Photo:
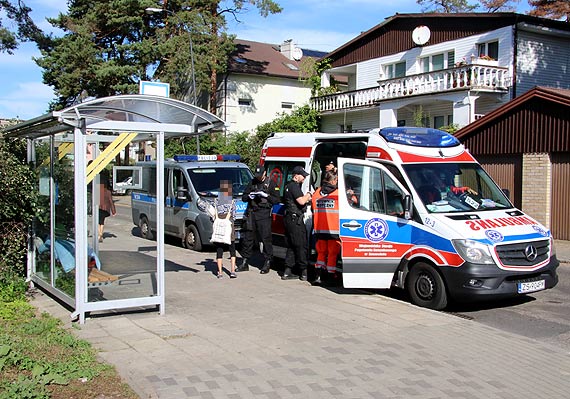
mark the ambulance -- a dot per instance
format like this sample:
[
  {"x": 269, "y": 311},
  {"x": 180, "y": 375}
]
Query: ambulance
[{"x": 428, "y": 218}]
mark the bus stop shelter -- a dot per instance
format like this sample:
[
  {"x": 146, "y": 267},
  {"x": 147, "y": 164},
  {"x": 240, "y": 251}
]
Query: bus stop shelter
[{"x": 69, "y": 149}]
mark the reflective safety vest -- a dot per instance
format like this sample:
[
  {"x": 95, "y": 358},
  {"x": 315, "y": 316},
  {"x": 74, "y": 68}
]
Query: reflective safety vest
[{"x": 325, "y": 213}]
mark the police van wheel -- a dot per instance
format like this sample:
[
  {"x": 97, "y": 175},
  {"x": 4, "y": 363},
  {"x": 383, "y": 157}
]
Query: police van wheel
[
  {"x": 426, "y": 287},
  {"x": 192, "y": 238},
  {"x": 144, "y": 226}
]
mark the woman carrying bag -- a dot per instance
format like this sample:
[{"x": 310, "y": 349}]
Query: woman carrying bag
[{"x": 223, "y": 239}]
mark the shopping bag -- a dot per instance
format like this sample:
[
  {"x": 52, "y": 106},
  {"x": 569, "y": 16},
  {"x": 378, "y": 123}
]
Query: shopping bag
[
  {"x": 222, "y": 228},
  {"x": 222, "y": 233}
]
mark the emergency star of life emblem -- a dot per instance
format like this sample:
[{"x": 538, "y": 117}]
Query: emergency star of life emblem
[{"x": 376, "y": 230}]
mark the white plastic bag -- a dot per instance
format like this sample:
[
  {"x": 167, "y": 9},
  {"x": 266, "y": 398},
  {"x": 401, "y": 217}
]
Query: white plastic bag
[{"x": 222, "y": 233}]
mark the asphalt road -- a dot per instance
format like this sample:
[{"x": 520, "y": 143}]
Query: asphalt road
[{"x": 543, "y": 315}]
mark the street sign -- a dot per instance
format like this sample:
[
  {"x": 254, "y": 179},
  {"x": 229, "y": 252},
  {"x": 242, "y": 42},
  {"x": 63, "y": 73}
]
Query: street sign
[{"x": 154, "y": 88}]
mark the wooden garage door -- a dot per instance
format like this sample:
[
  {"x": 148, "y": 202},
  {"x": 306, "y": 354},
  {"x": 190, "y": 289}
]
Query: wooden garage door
[
  {"x": 560, "y": 209},
  {"x": 506, "y": 170}
]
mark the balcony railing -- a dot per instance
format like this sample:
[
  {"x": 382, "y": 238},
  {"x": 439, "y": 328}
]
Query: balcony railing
[{"x": 470, "y": 77}]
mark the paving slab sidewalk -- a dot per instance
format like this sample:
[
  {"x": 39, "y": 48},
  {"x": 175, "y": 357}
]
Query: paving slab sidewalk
[{"x": 259, "y": 337}]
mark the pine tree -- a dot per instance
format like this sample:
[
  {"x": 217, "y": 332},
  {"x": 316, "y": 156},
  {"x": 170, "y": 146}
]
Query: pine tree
[
  {"x": 446, "y": 6},
  {"x": 105, "y": 50},
  {"x": 499, "y": 5},
  {"x": 25, "y": 28},
  {"x": 554, "y": 9}
]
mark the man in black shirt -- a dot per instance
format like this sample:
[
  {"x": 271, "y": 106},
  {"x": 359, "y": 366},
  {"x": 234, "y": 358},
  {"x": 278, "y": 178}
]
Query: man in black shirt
[
  {"x": 260, "y": 195},
  {"x": 295, "y": 231}
]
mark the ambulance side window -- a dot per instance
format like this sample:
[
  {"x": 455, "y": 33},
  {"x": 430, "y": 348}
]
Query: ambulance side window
[{"x": 375, "y": 190}]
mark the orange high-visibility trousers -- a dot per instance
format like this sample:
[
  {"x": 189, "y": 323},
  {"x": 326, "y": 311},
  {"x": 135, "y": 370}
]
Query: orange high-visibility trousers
[{"x": 327, "y": 254}]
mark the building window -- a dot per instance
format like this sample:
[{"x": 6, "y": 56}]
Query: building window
[
  {"x": 437, "y": 62},
  {"x": 401, "y": 122},
  {"x": 245, "y": 102},
  {"x": 396, "y": 70},
  {"x": 489, "y": 49},
  {"x": 438, "y": 121},
  {"x": 285, "y": 105},
  {"x": 345, "y": 129}
]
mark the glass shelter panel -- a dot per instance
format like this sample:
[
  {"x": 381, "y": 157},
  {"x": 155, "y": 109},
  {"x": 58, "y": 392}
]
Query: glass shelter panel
[
  {"x": 64, "y": 210},
  {"x": 42, "y": 222},
  {"x": 124, "y": 264}
]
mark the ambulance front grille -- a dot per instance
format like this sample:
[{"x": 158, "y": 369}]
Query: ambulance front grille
[{"x": 516, "y": 254}]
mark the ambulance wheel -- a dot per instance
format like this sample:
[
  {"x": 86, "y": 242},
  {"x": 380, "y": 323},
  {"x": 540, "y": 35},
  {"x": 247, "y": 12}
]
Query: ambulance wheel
[
  {"x": 192, "y": 238},
  {"x": 144, "y": 226},
  {"x": 426, "y": 287}
]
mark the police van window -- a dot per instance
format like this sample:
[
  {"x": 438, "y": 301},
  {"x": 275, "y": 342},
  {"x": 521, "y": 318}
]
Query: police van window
[
  {"x": 206, "y": 181},
  {"x": 179, "y": 180}
]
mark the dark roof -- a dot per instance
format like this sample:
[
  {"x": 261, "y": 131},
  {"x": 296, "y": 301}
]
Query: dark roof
[
  {"x": 536, "y": 121},
  {"x": 393, "y": 34},
  {"x": 257, "y": 58}
]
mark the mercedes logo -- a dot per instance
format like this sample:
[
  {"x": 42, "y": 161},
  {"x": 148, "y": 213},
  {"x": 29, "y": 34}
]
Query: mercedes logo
[{"x": 530, "y": 253}]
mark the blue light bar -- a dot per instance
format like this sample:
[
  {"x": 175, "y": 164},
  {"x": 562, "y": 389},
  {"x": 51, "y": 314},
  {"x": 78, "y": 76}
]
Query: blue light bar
[
  {"x": 419, "y": 137},
  {"x": 216, "y": 157}
]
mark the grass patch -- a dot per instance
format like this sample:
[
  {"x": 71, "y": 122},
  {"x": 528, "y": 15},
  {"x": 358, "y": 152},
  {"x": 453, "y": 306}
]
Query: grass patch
[{"x": 41, "y": 359}]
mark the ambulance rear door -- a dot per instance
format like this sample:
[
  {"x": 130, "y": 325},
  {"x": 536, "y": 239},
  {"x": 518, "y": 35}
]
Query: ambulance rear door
[{"x": 374, "y": 233}]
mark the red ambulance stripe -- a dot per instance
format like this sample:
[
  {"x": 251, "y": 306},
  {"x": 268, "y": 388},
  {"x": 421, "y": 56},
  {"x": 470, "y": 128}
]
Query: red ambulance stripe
[
  {"x": 377, "y": 152},
  {"x": 289, "y": 152},
  {"x": 407, "y": 157},
  {"x": 440, "y": 258}
]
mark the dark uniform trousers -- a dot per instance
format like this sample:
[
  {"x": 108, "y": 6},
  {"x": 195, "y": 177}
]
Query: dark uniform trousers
[
  {"x": 296, "y": 239},
  {"x": 260, "y": 226}
]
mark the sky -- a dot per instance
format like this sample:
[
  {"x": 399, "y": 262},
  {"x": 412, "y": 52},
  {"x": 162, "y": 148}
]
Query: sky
[{"x": 312, "y": 24}]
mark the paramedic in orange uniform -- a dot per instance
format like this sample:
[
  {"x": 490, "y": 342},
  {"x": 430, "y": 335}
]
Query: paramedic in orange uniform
[{"x": 326, "y": 227}]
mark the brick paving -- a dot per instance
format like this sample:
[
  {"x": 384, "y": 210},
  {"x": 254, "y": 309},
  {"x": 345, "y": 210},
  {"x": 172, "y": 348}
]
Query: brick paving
[{"x": 260, "y": 337}]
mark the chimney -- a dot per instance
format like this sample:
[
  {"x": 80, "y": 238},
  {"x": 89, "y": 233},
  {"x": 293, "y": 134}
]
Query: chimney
[{"x": 286, "y": 48}]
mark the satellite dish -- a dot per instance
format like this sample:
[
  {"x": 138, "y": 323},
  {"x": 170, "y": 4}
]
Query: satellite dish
[
  {"x": 421, "y": 35},
  {"x": 297, "y": 53}
]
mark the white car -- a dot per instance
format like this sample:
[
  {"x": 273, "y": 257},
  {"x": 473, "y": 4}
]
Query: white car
[{"x": 120, "y": 189}]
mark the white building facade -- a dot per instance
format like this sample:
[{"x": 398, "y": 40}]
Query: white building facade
[{"x": 439, "y": 70}]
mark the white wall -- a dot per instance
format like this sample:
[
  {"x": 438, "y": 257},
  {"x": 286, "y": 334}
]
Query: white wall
[
  {"x": 542, "y": 60},
  {"x": 369, "y": 72},
  {"x": 267, "y": 95}
]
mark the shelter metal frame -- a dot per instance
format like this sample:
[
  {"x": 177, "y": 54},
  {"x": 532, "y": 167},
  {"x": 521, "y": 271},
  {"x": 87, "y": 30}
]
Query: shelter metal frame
[{"x": 100, "y": 120}]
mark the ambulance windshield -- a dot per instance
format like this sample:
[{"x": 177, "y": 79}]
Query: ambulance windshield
[{"x": 456, "y": 187}]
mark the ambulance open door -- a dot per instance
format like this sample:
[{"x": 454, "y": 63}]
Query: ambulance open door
[{"x": 373, "y": 229}]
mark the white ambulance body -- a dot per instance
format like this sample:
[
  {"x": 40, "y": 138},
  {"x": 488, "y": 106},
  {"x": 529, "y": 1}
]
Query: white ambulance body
[{"x": 407, "y": 230}]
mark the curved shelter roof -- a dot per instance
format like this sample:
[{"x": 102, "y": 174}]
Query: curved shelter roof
[{"x": 141, "y": 113}]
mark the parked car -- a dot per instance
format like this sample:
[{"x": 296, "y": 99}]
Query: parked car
[{"x": 119, "y": 187}]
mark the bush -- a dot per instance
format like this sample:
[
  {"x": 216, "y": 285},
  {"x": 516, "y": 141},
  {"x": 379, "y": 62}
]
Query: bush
[{"x": 19, "y": 203}]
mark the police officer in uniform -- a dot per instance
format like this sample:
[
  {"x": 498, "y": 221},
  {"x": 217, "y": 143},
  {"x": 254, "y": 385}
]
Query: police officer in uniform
[
  {"x": 295, "y": 231},
  {"x": 260, "y": 195}
]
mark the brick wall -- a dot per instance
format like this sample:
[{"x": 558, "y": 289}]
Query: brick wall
[{"x": 536, "y": 181}]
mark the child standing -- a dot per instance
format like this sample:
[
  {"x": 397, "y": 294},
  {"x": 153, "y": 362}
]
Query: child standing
[{"x": 225, "y": 204}]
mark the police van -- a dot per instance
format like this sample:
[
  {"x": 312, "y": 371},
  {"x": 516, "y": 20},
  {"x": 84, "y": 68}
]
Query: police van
[
  {"x": 189, "y": 179},
  {"x": 428, "y": 218}
]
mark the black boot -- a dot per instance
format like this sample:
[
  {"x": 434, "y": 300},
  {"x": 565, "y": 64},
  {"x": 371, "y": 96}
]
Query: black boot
[
  {"x": 244, "y": 267},
  {"x": 288, "y": 275},
  {"x": 317, "y": 280},
  {"x": 303, "y": 276},
  {"x": 266, "y": 267}
]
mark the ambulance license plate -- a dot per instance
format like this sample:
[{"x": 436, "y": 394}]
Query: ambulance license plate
[{"x": 531, "y": 286}]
